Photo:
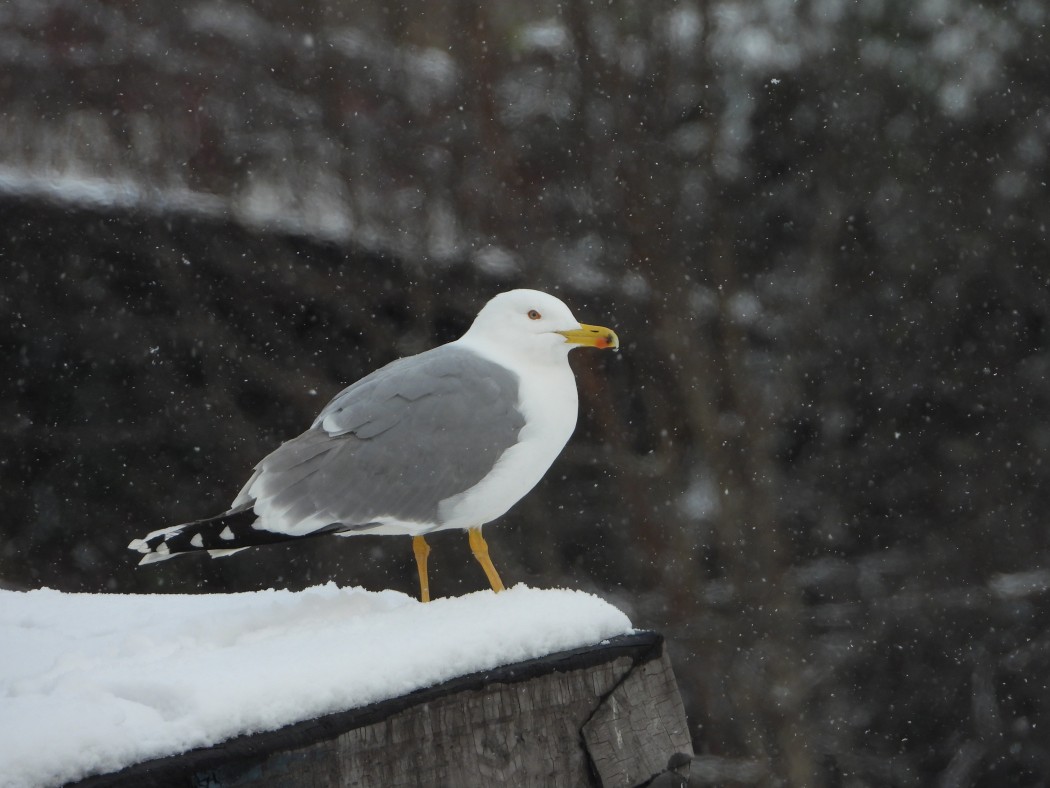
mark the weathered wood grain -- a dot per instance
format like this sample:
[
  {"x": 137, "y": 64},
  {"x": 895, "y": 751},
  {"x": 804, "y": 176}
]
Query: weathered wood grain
[{"x": 638, "y": 730}]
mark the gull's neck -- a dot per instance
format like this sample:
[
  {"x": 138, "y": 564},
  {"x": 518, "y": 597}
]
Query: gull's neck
[{"x": 514, "y": 356}]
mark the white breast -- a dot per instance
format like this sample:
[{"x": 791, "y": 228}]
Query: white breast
[{"x": 548, "y": 401}]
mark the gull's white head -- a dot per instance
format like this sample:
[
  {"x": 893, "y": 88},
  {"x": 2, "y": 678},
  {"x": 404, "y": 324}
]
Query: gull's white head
[{"x": 535, "y": 324}]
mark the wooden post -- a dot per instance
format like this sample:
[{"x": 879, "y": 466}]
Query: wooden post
[{"x": 607, "y": 715}]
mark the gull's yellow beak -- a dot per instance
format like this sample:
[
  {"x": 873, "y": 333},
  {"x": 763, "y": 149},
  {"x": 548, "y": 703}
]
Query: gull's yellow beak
[{"x": 592, "y": 336}]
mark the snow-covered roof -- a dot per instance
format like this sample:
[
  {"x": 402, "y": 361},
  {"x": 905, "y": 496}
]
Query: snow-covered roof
[{"x": 92, "y": 683}]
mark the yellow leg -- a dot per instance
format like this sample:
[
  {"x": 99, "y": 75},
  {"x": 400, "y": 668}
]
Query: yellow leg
[
  {"x": 481, "y": 552},
  {"x": 422, "y": 550}
]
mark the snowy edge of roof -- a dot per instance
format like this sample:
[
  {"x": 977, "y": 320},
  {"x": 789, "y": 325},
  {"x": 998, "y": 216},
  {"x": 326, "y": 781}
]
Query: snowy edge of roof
[{"x": 173, "y": 770}]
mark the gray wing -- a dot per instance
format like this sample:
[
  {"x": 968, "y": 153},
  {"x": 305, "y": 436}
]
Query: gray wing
[{"x": 393, "y": 445}]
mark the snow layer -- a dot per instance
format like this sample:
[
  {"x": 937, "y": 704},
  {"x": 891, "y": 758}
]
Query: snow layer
[{"x": 90, "y": 683}]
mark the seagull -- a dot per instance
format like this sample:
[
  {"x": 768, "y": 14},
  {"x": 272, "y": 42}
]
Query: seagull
[{"x": 450, "y": 438}]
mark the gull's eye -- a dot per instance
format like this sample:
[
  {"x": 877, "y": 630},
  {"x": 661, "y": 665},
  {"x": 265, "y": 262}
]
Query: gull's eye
[{"x": 534, "y": 315}]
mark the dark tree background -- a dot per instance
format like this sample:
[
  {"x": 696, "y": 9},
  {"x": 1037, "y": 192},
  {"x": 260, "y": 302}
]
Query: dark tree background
[{"x": 820, "y": 462}]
